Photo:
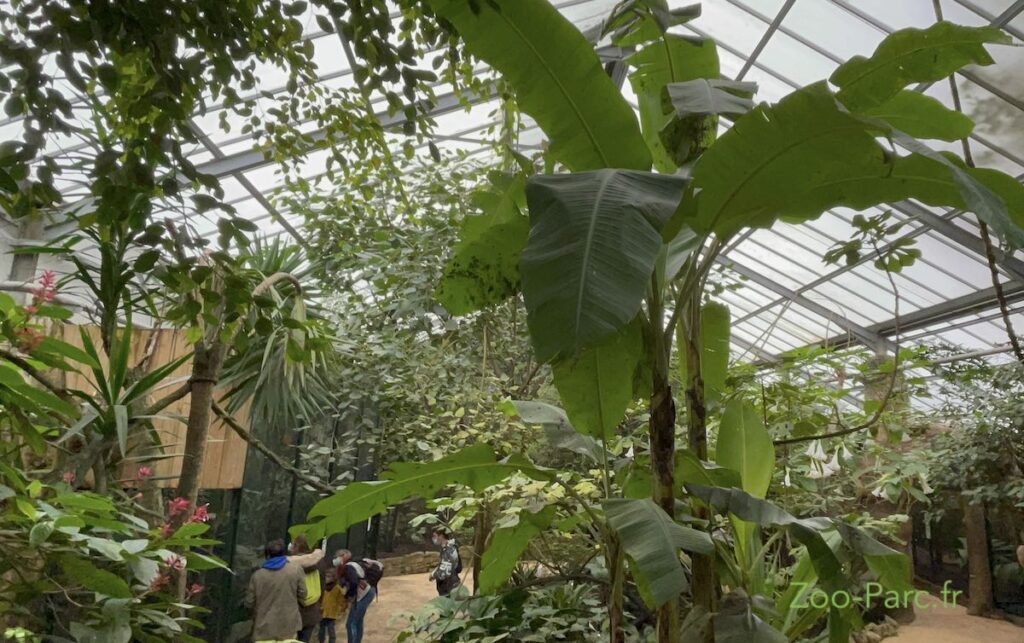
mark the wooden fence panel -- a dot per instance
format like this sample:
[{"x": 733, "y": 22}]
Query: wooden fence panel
[{"x": 224, "y": 461}]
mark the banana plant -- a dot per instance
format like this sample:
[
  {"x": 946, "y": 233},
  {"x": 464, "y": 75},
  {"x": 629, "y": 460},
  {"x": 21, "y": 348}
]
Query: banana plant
[{"x": 594, "y": 271}]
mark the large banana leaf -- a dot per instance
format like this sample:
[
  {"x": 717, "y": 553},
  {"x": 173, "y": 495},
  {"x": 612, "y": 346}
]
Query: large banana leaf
[
  {"x": 594, "y": 239},
  {"x": 557, "y": 78},
  {"x": 475, "y": 466},
  {"x": 912, "y": 56},
  {"x": 596, "y": 385},
  {"x": 922, "y": 116},
  {"x": 652, "y": 540},
  {"x": 669, "y": 59},
  {"x": 483, "y": 269},
  {"x": 782, "y": 161},
  {"x": 507, "y": 544},
  {"x": 745, "y": 446}
]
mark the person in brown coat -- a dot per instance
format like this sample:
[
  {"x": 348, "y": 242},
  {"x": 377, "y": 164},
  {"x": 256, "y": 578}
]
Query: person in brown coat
[{"x": 275, "y": 591}]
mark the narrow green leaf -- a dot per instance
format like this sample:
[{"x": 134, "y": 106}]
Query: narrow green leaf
[{"x": 121, "y": 426}]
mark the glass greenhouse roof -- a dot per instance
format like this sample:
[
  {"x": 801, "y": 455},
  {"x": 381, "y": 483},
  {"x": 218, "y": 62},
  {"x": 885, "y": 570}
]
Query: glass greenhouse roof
[{"x": 784, "y": 295}]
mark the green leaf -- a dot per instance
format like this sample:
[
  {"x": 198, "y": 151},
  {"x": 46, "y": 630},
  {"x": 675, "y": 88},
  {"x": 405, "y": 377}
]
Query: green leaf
[
  {"x": 652, "y": 541},
  {"x": 558, "y": 430},
  {"x": 912, "y": 56},
  {"x": 81, "y": 571},
  {"x": 39, "y": 533},
  {"x": 923, "y": 116},
  {"x": 200, "y": 562},
  {"x": 781, "y": 159},
  {"x": 121, "y": 425},
  {"x": 714, "y": 349},
  {"x": 672, "y": 59},
  {"x": 596, "y": 386},
  {"x": 594, "y": 240},
  {"x": 507, "y": 544},
  {"x": 745, "y": 446},
  {"x": 484, "y": 267},
  {"x": 64, "y": 349},
  {"x": 557, "y": 78},
  {"x": 475, "y": 466}
]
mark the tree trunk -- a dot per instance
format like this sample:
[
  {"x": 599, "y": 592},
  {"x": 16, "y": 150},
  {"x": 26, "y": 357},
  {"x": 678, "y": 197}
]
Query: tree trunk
[
  {"x": 205, "y": 368},
  {"x": 616, "y": 563},
  {"x": 663, "y": 446},
  {"x": 703, "y": 566},
  {"x": 979, "y": 588}
]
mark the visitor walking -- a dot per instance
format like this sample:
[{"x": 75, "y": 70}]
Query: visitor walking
[
  {"x": 314, "y": 569},
  {"x": 359, "y": 590},
  {"x": 274, "y": 593},
  {"x": 333, "y": 606},
  {"x": 446, "y": 574}
]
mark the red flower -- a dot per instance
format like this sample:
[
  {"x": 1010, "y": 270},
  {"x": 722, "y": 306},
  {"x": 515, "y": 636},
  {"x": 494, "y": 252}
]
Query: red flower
[
  {"x": 68, "y": 477},
  {"x": 178, "y": 506},
  {"x": 144, "y": 472},
  {"x": 48, "y": 280},
  {"x": 194, "y": 588},
  {"x": 175, "y": 562},
  {"x": 200, "y": 514}
]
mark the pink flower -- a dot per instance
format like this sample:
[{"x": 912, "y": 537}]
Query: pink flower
[
  {"x": 200, "y": 514},
  {"x": 68, "y": 477},
  {"x": 166, "y": 530},
  {"x": 178, "y": 506},
  {"x": 194, "y": 588},
  {"x": 144, "y": 472},
  {"x": 158, "y": 582},
  {"x": 175, "y": 562},
  {"x": 48, "y": 280},
  {"x": 31, "y": 309}
]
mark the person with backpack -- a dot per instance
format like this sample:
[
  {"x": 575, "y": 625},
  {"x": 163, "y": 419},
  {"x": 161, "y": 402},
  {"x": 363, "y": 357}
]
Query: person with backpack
[
  {"x": 446, "y": 574},
  {"x": 314, "y": 569},
  {"x": 359, "y": 580}
]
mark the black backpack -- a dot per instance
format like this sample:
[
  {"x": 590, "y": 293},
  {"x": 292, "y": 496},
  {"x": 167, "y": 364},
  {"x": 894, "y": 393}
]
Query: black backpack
[{"x": 373, "y": 571}]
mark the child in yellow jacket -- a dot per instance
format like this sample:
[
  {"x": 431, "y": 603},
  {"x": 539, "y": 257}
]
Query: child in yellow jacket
[{"x": 334, "y": 605}]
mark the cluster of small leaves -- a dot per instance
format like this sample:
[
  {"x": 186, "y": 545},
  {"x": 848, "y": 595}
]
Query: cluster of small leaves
[
  {"x": 560, "y": 613},
  {"x": 981, "y": 456},
  {"x": 871, "y": 235},
  {"x": 85, "y": 567}
]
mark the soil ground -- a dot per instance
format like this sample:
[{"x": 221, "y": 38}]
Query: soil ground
[{"x": 938, "y": 624}]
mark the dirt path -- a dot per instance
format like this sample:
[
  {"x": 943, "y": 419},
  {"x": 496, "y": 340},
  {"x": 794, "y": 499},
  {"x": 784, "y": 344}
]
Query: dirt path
[
  {"x": 951, "y": 624},
  {"x": 937, "y": 624}
]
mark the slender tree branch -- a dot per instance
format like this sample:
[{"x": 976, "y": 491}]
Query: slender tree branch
[
  {"x": 990, "y": 254},
  {"x": 169, "y": 399},
  {"x": 268, "y": 453},
  {"x": 877, "y": 415},
  {"x": 35, "y": 374}
]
